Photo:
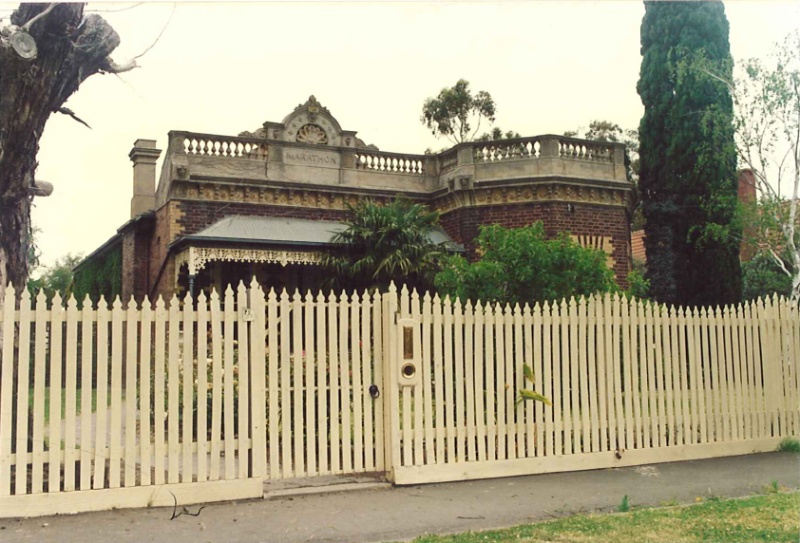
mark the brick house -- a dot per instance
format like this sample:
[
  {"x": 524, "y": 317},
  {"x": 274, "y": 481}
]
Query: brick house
[{"x": 266, "y": 203}]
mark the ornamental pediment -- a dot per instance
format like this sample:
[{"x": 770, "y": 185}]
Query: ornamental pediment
[{"x": 309, "y": 123}]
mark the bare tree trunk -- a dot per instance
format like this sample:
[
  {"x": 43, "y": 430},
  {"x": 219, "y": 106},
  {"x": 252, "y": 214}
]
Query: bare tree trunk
[{"x": 70, "y": 48}]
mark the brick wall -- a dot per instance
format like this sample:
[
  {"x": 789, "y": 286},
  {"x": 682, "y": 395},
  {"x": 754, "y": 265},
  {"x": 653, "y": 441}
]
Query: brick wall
[
  {"x": 197, "y": 215},
  {"x": 161, "y": 272},
  {"x": 584, "y": 219},
  {"x": 128, "y": 269}
]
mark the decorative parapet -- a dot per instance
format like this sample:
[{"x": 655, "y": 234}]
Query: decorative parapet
[
  {"x": 251, "y": 161},
  {"x": 209, "y": 145},
  {"x": 381, "y": 161},
  {"x": 543, "y": 146}
]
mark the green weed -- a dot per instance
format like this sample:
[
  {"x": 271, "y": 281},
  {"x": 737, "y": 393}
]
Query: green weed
[{"x": 789, "y": 444}]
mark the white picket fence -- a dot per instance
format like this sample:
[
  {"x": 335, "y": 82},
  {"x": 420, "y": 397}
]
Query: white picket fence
[
  {"x": 630, "y": 383},
  {"x": 202, "y": 400}
]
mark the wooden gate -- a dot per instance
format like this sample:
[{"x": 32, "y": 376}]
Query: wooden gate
[{"x": 630, "y": 383}]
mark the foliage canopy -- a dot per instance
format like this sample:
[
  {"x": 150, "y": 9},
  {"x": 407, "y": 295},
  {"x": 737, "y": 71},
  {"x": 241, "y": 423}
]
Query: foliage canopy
[
  {"x": 385, "y": 243},
  {"x": 687, "y": 156},
  {"x": 520, "y": 265},
  {"x": 452, "y": 111}
]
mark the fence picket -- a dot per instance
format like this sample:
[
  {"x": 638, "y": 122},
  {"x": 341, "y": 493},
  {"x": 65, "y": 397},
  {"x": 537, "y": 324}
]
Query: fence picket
[
  {"x": 438, "y": 379},
  {"x": 508, "y": 383},
  {"x": 273, "y": 382},
  {"x": 314, "y": 391},
  {"x": 321, "y": 364},
  {"x": 367, "y": 360},
  {"x": 588, "y": 345},
  {"x": 87, "y": 370},
  {"x": 145, "y": 355},
  {"x": 565, "y": 362},
  {"x": 531, "y": 324},
  {"x": 458, "y": 384},
  {"x": 6, "y": 393},
  {"x": 356, "y": 344},
  {"x": 56, "y": 382},
  {"x": 488, "y": 364},
  {"x": 674, "y": 391},
  {"x": 378, "y": 363},
  {"x": 427, "y": 384},
  {"x": 285, "y": 365},
  {"x": 298, "y": 385},
  {"x": 202, "y": 384},
  {"x": 173, "y": 391},
  {"x": 500, "y": 380},
  {"x": 345, "y": 405},
  {"x": 214, "y": 468},
  {"x": 335, "y": 413},
  {"x": 159, "y": 348},
  {"x": 129, "y": 449},
  {"x": 37, "y": 431},
  {"x": 583, "y": 372},
  {"x": 574, "y": 376},
  {"x": 522, "y": 428},
  {"x": 449, "y": 392},
  {"x": 480, "y": 367},
  {"x": 228, "y": 396},
  {"x": 660, "y": 427},
  {"x": 159, "y": 390},
  {"x": 469, "y": 380},
  {"x": 257, "y": 386},
  {"x": 188, "y": 389},
  {"x": 243, "y": 380}
]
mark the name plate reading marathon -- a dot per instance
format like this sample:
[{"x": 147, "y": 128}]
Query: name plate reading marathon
[{"x": 310, "y": 158}]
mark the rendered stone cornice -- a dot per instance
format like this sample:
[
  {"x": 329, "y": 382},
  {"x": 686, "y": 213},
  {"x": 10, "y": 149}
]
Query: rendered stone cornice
[{"x": 323, "y": 197}]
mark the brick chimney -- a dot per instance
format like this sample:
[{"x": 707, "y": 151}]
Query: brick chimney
[{"x": 143, "y": 155}]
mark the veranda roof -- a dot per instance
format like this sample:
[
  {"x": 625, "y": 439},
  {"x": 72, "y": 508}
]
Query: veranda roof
[{"x": 268, "y": 239}]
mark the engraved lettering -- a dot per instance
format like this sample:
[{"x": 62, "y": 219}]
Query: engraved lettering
[{"x": 310, "y": 158}]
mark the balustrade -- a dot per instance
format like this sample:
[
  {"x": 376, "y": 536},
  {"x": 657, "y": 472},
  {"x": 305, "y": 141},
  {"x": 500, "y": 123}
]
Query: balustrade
[
  {"x": 390, "y": 162},
  {"x": 585, "y": 150},
  {"x": 223, "y": 146},
  {"x": 493, "y": 151}
]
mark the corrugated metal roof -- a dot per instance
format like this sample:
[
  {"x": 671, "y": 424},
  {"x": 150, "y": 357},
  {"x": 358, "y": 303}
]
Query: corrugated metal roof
[
  {"x": 286, "y": 231},
  {"x": 274, "y": 229}
]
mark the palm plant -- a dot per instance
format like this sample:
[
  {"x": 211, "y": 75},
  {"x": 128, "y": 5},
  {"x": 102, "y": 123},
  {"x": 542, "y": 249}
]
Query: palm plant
[{"x": 385, "y": 243}]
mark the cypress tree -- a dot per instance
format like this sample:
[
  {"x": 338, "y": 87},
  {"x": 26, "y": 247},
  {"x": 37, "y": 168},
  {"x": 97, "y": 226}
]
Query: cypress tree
[{"x": 687, "y": 155}]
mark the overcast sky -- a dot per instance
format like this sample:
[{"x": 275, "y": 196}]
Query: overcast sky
[{"x": 551, "y": 66}]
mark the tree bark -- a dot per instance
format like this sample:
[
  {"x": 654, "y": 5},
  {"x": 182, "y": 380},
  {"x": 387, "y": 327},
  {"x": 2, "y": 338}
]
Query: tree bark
[{"x": 71, "y": 47}]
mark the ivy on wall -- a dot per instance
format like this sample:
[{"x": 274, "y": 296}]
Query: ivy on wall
[{"x": 101, "y": 276}]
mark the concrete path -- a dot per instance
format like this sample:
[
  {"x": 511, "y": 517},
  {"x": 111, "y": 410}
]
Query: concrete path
[{"x": 377, "y": 514}]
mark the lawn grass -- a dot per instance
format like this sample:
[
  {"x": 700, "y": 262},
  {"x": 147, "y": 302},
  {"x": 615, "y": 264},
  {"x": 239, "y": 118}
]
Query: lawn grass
[
  {"x": 63, "y": 402},
  {"x": 768, "y": 518}
]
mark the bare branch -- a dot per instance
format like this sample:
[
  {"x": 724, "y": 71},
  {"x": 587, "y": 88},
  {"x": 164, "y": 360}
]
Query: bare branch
[
  {"x": 111, "y": 67},
  {"x": 27, "y": 26},
  {"x": 174, "y": 7},
  {"x": 67, "y": 111}
]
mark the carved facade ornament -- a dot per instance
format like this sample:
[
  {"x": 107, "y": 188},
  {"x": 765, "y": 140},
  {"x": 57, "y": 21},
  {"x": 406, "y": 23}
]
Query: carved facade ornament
[
  {"x": 312, "y": 133},
  {"x": 313, "y": 106},
  {"x": 601, "y": 243}
]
